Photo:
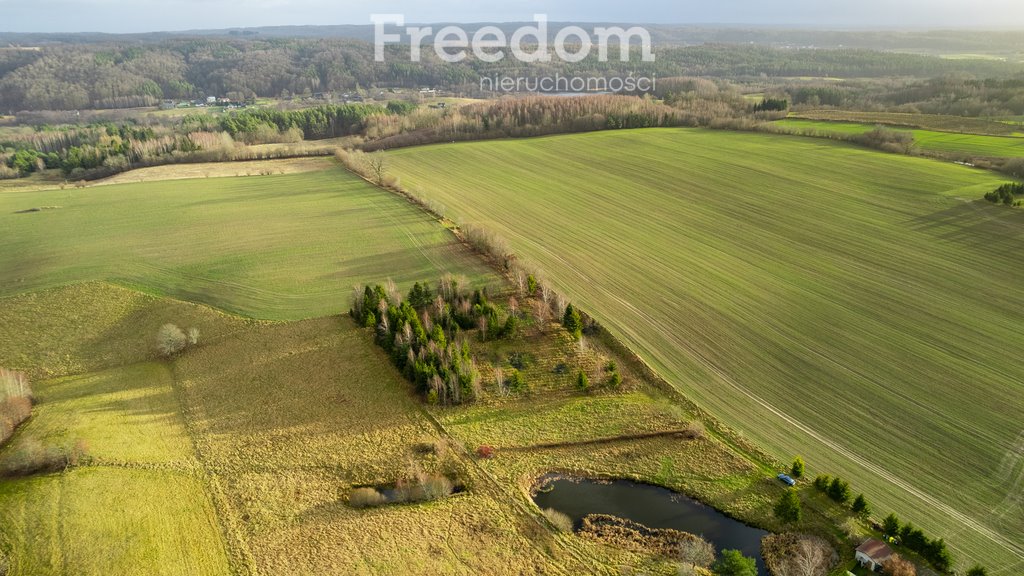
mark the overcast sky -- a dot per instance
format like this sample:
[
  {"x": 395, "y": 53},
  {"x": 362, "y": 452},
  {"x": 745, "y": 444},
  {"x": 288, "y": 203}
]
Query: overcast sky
[{"x": 161, "y": 15}]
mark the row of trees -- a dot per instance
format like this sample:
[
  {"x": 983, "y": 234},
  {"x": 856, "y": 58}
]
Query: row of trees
[{"x": 934, "y": 551}]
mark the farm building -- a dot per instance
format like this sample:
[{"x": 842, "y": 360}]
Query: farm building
[{"x": 873, "y": 553}]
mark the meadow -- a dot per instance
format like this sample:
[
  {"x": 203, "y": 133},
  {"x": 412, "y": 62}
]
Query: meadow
[
  {"x": 279, "y": 247},
  {"x": 854, "y": 307},
  {"x": 237, "y": 456},
  {"x": 935, "y": 122},
  {"x": 969, "y": 145}
]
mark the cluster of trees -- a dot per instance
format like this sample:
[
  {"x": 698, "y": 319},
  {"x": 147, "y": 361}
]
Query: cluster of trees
[
  {"x": 15, "y": 402},
  {"x": 934, "y": 551},
  {"x": 423, "y": 335},
  {"x": 1006, "y": 194},
  {"x": 772, "y": 105},
  {"x": 102, "y": 149},
  {"x": 330, "y": 121}
]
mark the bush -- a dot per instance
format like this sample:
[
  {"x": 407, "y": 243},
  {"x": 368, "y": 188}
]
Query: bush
[
  {"x": 170, "y": 340},
  {"x": 486, "y": 452},
  {"x": 559, "y": 520},
  {"x": 582, "y": 382},
  {"x": 822, "y": 481},
  {"x": 32, "y": 457},
  {"x": 977, "y": 571},
  {"x": 898, "y": 566},
  {"x": 366, "y": 498},
  {"x": 437, "y": 487}
]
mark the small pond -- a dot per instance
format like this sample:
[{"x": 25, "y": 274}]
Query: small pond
[{"x": 651, "y": 506}]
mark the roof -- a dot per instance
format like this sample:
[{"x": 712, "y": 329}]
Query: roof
[{"x": 876, "y": 550}]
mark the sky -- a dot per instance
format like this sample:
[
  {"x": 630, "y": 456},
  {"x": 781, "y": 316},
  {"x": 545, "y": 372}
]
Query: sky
[{"x": 119, "y": 16}]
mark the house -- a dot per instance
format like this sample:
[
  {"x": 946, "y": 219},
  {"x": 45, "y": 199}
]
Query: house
[{"x": 873, "y": 553}]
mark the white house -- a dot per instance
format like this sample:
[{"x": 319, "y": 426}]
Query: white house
[{"x": 873, "y": 553}]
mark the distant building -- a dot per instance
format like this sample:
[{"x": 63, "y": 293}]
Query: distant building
[
  {"x": 211, "y": 99},
  {"x": 873, "y": 553}
]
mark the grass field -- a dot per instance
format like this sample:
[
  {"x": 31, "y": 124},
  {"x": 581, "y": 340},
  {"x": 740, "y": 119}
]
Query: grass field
[
  {"x": 273, "y": 247},
  {"x": 855, "y": 307},
  {"x": 936, "y": 122},
  {"x": 931, "y": 140},
  {"x": 237, "y": 456}
]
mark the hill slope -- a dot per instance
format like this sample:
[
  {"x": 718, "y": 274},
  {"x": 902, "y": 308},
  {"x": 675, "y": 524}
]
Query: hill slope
[{"x": 855, "y": 307}]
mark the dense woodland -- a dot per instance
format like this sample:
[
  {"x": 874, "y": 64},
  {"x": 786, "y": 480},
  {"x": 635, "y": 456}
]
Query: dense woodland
[{"x": 134, "y": 73}]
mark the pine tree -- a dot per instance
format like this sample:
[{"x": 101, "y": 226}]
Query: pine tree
[
  {"x": 573, "y": 322},
  {"x": 860, "y": 506},
  {"x": 797, "y": 471},
  {"x": 788, "y": 509}
]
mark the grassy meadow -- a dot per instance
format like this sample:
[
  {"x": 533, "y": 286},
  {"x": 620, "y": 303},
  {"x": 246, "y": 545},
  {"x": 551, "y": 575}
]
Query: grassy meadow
[
  {"x": 854, "y": 307},
  {"x": 279, "y": 247},
  {"x": 970, "y": 145},
  {"x": 238, "y": 455}
]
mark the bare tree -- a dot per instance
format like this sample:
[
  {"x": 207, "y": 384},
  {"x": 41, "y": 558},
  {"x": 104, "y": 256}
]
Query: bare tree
[
  {"x": 378, "y": 168},
  {"x": 193, "y": 336},
  {"x": 696, "y": 552},
  {"x": 520, "y": 279},
  {"x": 499, "y": 378},
  {"x": 170, "y": 340},
  {"x": 392, "y": 291}
]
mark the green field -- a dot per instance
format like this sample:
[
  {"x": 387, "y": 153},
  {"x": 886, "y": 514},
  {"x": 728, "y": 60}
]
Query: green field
[
  {"x": 858, "y": 308},
  {"x": 930, "y": 140},
  {"x": 273, "y": 247}
]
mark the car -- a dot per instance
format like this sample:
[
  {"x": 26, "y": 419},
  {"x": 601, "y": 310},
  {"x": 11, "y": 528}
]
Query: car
[{"x": 786, "y": 479}]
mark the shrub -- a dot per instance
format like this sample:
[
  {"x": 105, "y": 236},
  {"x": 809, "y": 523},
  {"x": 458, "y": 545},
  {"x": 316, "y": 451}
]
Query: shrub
[
  {"x": 582, "y": 382},
  {"x": 437, "y": 487},
  {"x": 977, "y": 571},
  {"x": 822, "y": 481},
  {"x": 32, "y": 457},
  {"x": 193, "y": 336},
  {"x": 365, "y": 498},
  {"x": 170, "y": 340},
  {"x": 898, "y": 566},
  {"x": 694, "y": 430},
  {"x": 559, "y": 520},
  {"x": 486, "y": 452},
  {"x": 514, "y": 381}
]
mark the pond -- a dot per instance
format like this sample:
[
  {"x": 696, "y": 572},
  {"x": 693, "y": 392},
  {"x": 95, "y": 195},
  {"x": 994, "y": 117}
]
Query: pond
[{"x": 651, "y": 506}]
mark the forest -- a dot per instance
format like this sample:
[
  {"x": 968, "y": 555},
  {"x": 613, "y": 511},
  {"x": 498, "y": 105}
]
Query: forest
[{"x": 133, "y": 73}]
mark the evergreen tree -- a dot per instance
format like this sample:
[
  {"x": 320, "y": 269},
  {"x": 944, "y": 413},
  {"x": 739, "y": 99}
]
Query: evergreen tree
[
  {"x": 573, "y": 322},
  {"x": 860, "y": 506},
  {"x": 891, "y": 525},
  {"x": 797, "y": 470},
  {"x": 582, "y": 382},
  {"x": 788, "y": 508}
]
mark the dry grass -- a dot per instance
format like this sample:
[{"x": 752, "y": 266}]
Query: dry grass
[{"x": 218, "y": 170}]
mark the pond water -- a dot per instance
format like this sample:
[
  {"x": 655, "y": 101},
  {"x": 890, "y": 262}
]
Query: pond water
[{"x": 651, "y": 506}]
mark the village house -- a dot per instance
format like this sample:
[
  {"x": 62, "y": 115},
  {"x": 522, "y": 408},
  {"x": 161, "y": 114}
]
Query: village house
[{"x": 873, "y": 553}]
